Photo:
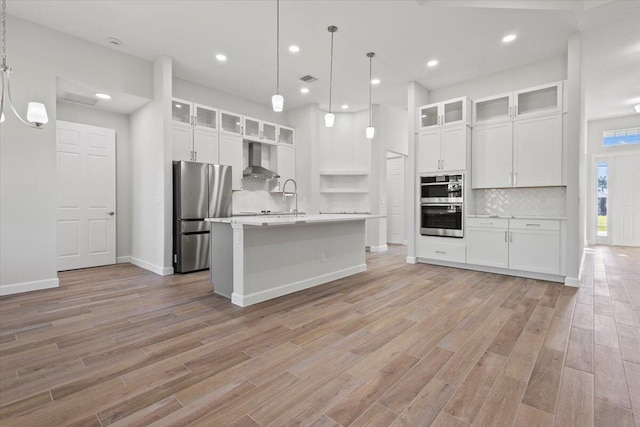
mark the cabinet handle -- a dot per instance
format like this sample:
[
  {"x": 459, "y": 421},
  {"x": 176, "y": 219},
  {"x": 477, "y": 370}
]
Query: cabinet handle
[
  {"x": 515, "y": 111},
  {"x": 515, "y": 178},
  {"x": 510, "y": 178},
  {"x": 510, "y": 110},
  {"x": 533, "y": 225},
  {"x": 195, "y": 156},
  {"x": 505, "y": 236},
  {"x": 486, "y": 223},
  {"x": 511, "y": 236},
  {"x": 441, "y": 252}
]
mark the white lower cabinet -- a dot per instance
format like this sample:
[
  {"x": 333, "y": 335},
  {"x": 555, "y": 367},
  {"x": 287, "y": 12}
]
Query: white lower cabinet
[
  {"x": 488, "y": 242},
  {"x": 535, "y": 246},
  {"x": 517, "y": 244},
  {"x": 430, "y": 248}
]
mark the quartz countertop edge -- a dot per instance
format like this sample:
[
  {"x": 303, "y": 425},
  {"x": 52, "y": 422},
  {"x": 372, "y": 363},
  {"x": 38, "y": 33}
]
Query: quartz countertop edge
[
  {"x": 290, "y": 219},
  {"x": 532, "y": 217}
]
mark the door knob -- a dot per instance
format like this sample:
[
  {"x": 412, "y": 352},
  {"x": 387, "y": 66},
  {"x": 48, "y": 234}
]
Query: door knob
[{"x": 112, "y": 213}]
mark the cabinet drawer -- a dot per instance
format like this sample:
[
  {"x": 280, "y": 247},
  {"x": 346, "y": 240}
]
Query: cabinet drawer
[
  {"x": 488, "y": 222},
  {"x": 442, "y": 251},
  {"x": 535, "y": 224}
]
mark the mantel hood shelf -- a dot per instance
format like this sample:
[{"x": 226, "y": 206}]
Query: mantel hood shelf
[{"x": 255, "y": 169}]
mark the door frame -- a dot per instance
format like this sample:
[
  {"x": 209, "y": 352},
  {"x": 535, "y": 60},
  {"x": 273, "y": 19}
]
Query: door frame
[{"x": 404, "y": 157}]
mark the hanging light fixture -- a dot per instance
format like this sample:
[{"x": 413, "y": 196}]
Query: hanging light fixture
[
  {"x": 370, "y": 131},
  {"x": 277, "y": 100},
  {"x": 36, "y": 112},
  {"x": 329, "y": 118}
]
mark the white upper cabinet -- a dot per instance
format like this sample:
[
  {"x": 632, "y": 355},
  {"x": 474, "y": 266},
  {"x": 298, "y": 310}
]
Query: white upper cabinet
[
  {"x": 535, "y": 101},
  {"x": 443, "y": 149},
  {"x": 230, "y": 154},
  {"x": 230, "y": 123},
  {"x": 493, "y": 109},
  {"x": 537, "y": 151},
  {"x": 260, "y": 131},
  {"x": 454, "y": 111},
  {"x": 286, "y": 135},
  {"x": 285, "y": 165},
  {"x": 194, "y": 132},
  {"x": 491, "y": 155},
  {"x": 181, "y": 112},
  {"x": 539, "y": 100},
  {"x": 206, "y": 117}
]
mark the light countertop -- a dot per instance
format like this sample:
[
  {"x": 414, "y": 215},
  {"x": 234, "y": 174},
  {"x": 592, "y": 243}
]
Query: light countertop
[
  {"x": 291, "y": 219},
  {"x": 517, "y": 217}
]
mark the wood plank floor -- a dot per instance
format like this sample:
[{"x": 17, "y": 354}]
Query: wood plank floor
[{"x": 398, "y": 345}]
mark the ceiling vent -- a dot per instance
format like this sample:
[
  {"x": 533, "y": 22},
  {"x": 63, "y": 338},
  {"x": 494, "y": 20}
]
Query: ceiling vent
[
  {"x": 78, "y": 99},
  {"x": 308, "y": 78}
]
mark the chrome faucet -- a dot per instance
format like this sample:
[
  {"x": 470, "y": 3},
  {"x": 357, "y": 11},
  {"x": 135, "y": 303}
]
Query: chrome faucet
[{"x": 295, "y": 194}]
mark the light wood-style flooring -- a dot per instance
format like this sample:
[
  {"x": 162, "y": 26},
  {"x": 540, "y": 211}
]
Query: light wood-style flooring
[{"x": 400, "y": 344}]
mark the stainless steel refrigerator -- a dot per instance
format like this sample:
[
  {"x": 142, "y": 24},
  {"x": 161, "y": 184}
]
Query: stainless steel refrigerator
[{"x": 200, "y": 191}]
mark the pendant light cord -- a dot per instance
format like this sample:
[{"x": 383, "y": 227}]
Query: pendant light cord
[
  {"x": 4, "y": 33},
  {"x": 370, "y": 112},
  {"x": 331, "y": 72},
  {"x": 277, "y": 46}
]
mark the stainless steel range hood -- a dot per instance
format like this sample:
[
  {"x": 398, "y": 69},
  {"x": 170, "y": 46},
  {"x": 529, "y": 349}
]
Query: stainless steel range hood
[{"x": 255, "y": 169}]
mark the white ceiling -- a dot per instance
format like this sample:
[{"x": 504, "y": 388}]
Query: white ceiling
[{"x": 464, "y": 36}]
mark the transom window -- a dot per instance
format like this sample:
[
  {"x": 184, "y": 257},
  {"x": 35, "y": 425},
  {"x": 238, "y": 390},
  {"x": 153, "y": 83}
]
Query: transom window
[{"x": 621, "y": 137}]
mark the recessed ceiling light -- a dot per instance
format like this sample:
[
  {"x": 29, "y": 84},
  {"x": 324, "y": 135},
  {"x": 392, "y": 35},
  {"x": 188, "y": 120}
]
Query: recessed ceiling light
[
  {"x": 178, "y": 105},
  {"x": 103, "y": 96},
  {"x": 375, "y": 81},
  {"x": 221, "y": 57},
  {"x": 345, "y": 107},
  {"x": 304, "y": 90},
  {"x": 508, "y": 38},
  {"x": 432, "y": 63},
  {"x": 294, "y": 49}
]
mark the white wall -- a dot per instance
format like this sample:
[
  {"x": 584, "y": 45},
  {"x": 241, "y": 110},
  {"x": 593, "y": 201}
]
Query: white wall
[
  {"x": 28, "y": 157},
  {"x": 534, "y": 74},
  {"x": 151, "y": 176},
  {"x": 194, "y": 92},
  {"x": 595, "y": 128},
  {"x": 393, "y": 130},
  {"x": 119, "y": 122}
]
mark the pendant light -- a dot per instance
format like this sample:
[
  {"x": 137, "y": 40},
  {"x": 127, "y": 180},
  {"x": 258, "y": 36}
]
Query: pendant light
[
  {"x": 370, "y": 131},
  {"x": 277, "y": 100},
  {"x": 329, "y": 118},
  {"x": 36, "y": 112}
]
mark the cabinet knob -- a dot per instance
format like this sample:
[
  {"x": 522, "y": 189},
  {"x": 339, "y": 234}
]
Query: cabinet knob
[{"x": 111, "y": 213}]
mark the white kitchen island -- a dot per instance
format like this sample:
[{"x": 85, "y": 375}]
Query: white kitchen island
[{"x": 258, "y": 258}]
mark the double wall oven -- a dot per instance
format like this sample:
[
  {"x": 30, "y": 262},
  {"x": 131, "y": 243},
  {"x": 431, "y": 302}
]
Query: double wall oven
[{"x": 441, "y": 205}]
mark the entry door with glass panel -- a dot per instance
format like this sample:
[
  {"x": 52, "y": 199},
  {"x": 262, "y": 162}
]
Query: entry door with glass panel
[{"x": 602, "y": 202}]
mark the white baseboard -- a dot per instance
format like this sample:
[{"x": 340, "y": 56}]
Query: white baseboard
[
  {"x": 123, "y": 259},
  {"x": 162, "y": 271},
  {"x": 383, "y": 248},
  {"x": 412, "y": 260},
  {"x": 574, "y": 282},
  {"x": 18, "y": 288},
  {"x": 256, "y": 297}
]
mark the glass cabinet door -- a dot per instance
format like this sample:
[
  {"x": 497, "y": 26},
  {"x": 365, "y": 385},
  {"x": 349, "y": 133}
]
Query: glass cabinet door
[
  {"x": 286, "y": 135},
  {"x": 230, "y": 122},
  {"x": 181, "y": 111},
  {"x": 493, "y": 109},
  {"x": 539, "y": 100},
  {"x": 454, "y": 112},
  {"x": 206, "y": 117},
  {"x": 429, "y": 116},
  {"x": 269, "y": 131},
  {"x": 251, "y": 127}
]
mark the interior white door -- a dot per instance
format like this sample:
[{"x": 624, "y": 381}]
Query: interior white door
[
  {"x": 624, "y": 190},
  {"x": 395, "y": 199},
  {"x": 86, "y": 202}
]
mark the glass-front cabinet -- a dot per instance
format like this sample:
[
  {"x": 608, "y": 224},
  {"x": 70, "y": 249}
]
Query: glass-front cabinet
[
  {"x": 493, "y": 109},
  {"x": 206, "y": 117},
  {"x": 230, "y": 123},
  {"x": 286, "y": 135},
  {"x": 181, "y": 111},
  {"x": 453, "y": 111},
  {"x": 259, "y": 130},
  {"x": 269, "y": 132},
  {"x": 251, "y": 127}
]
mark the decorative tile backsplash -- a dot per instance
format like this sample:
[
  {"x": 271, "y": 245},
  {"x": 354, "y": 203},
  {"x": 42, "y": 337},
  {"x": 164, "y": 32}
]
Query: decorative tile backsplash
[
  {"x": 345, "y": 202},
  {"x": 544, "y": 201},
  {"x": 255, "y": 196}
]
